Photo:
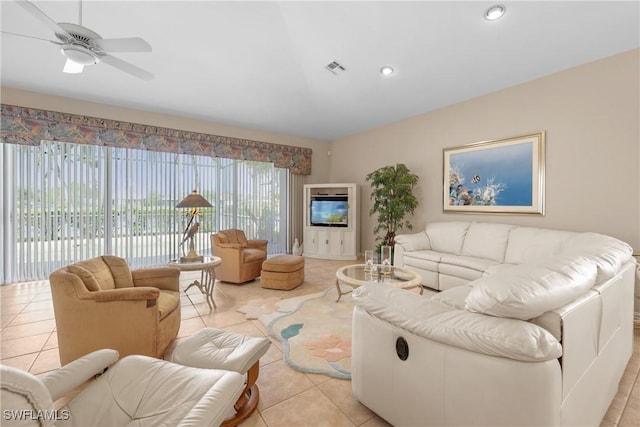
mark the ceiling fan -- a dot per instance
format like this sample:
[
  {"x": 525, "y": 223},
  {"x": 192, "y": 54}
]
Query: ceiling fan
[{"x": 83, "y": 47}]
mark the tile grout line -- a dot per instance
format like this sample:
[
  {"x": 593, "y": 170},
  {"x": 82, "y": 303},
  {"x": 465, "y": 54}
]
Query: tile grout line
[{"x": 636, "y": 382}]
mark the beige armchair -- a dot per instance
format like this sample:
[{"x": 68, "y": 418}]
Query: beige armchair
[
  {"x": 134, "y": 391},
  {"x": 241, "y": 258},
  {"x": 100, "y": 303}
]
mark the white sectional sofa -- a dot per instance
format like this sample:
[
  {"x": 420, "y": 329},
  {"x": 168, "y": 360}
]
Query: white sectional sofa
[{"x": 532, "y": 327}]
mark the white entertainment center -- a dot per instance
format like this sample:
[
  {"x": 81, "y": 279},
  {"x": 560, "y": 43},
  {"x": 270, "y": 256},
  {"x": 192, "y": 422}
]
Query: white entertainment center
[{"x": 331, "y": 221}]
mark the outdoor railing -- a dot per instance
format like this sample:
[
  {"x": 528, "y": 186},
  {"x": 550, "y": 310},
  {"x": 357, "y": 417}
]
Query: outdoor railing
[{"x": 46, "y": 241}]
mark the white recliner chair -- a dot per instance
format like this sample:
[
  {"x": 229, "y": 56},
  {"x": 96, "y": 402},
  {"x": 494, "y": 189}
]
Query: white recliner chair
[{"x": 136, "y": 390}]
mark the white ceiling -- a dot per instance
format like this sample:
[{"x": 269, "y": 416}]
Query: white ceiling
[{"x": 261, "y": 64}]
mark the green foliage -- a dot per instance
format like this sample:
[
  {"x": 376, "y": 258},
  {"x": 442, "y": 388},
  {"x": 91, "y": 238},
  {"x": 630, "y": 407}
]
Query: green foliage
[{"x": 393, "y": 198}]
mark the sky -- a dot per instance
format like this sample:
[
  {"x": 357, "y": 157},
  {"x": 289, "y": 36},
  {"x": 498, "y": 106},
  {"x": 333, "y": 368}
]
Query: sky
[{"x": 509, "y": 165}]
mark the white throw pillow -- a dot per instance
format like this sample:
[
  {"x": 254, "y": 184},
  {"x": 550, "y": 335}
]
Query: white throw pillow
[{"x": 529, "y": 290}]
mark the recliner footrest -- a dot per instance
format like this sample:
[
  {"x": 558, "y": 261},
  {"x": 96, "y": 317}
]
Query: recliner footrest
[{"x": 217, "y": 349}]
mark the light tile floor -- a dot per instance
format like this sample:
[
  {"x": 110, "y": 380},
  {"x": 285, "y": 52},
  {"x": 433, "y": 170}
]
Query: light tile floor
[{"x": 287, "y": 397}]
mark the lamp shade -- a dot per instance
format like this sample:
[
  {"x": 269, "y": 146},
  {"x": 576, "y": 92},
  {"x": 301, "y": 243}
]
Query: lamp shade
[{"x": 194, "y": 200}]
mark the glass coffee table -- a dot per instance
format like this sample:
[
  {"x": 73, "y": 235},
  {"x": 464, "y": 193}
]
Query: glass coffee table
[{"x": 355, "y": 275}]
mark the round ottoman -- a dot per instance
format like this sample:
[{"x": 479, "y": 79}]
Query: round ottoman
[
  {"x": 283, "y": 272},
  {"x": 212, "y": 348}
]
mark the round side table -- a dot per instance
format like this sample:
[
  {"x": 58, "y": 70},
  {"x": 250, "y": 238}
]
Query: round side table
[{"x": 207, "y": 268}]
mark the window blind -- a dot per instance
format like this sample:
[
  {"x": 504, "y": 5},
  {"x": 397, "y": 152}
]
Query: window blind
[{"x": 66, "y": 202}]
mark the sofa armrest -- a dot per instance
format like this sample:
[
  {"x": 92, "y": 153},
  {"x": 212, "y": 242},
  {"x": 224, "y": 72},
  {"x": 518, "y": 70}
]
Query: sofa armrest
[
  {"x": 124, "y": 294},
  {"x": 231, "y": 253},
  {"x": 164, "y": 278},
  {"x": 214, "y": 406},
  {"x": 237, "y": 246},
  {"x": 23, "y": 391},
  {"x": 73, "y": 374},
  {"x": 439, "y": 322},
  {"x": 413, "y": 242}
]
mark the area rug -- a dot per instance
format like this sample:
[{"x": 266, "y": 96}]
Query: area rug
[
  {"x": 257, "y": 307},
  {"x": 315, "y": 332}
]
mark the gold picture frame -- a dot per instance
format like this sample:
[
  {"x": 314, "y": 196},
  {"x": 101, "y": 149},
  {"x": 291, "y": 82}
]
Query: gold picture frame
[{"x": 502, "y": 176}]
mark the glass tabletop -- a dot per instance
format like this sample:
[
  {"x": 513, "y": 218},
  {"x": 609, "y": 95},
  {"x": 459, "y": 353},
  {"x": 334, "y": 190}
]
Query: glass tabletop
[
  {"x": 356, "y": 275},
  {"x": 207, "y": 262}
]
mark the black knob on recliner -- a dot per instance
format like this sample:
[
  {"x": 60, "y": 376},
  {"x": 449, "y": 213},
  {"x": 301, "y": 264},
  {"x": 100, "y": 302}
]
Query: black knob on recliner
[{"x": 402, "y": 348}]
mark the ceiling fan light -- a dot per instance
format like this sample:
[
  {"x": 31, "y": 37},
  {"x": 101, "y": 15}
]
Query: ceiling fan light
[
  {"x": 79, "y": 55},
  {"x": 386, "y": 70},
  {"x": 495, "y": 12},
  {"x": 71, "y": 67}
]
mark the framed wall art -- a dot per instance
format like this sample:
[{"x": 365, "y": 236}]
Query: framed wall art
[{"x": 499, "y": 176}]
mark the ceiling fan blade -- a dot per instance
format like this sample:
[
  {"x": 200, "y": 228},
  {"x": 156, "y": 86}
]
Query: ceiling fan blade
[
  {"x": 30, "y": 37},
  {"x": 36, "y": 12},
  {"x": 127, "y": 67},
  {"x": 131, "y": 44}
]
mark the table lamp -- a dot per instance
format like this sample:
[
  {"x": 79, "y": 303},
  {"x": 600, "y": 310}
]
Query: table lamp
[{"x": 193, "y": 202}]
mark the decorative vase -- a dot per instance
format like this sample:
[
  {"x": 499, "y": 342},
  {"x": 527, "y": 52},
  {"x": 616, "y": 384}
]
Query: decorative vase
[{"x": 385, "y": 259}]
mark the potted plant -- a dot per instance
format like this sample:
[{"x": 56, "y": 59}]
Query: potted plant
[{"x": 393, "y": 198}]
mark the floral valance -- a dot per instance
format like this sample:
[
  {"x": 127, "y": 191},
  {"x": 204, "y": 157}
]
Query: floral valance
[{"x": 28, "y": 126}]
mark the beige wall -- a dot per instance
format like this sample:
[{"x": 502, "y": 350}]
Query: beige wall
[
  {"x": 320, "y": 160},
  {"x": 591, "y": 118}
]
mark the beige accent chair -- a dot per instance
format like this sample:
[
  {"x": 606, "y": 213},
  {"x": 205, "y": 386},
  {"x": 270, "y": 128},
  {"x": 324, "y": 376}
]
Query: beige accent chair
[
  {"x": 100, "y": 303},
  {"x": 134, "y": 391},
  {"x": 241, "y": 258}
]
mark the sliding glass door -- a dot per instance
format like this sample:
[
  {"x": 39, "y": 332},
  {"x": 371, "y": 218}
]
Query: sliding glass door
[{"x": 65, "y": 202}]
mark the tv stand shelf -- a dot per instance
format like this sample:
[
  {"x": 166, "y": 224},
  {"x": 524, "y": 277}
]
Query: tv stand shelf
[{"x": 331, "y": 228}]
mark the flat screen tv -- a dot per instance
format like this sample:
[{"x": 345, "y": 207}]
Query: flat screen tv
[{"x": 329, "y": 212}]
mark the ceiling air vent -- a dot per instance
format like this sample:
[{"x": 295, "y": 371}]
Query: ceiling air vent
[{"x": 335, "y": 67}]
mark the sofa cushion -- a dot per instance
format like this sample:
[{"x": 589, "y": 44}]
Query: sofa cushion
[
  {"x": 447, "y": 236},
  {"x": 413, "y": 242},
  {"x": 425, "y": 255},
  {"x": 95, "y": 274},
  {"x": 86, "y": 276},
  {"x": 251, "y": 255},
  {"x": 458, "y": 274},
  {"x": 473, "y": 263},
  {"x": 119, "y": 270},
  {"x": 493, "y": 269},
  {"x": 453, "y": 297},
  {"x": 606, "y": 252},
  {"x": 434, "y": 320},
  {"x": 529, "y": 290},
  {"x": 235, "y": 236},
  {"x": 488, "y": 241},
  {"x": 528, "y": 244}
]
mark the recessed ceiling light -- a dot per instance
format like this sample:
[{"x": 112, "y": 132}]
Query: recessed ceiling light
[
  {"x": 495, "y": 12},
  {"x": 386, "y": 70}
]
